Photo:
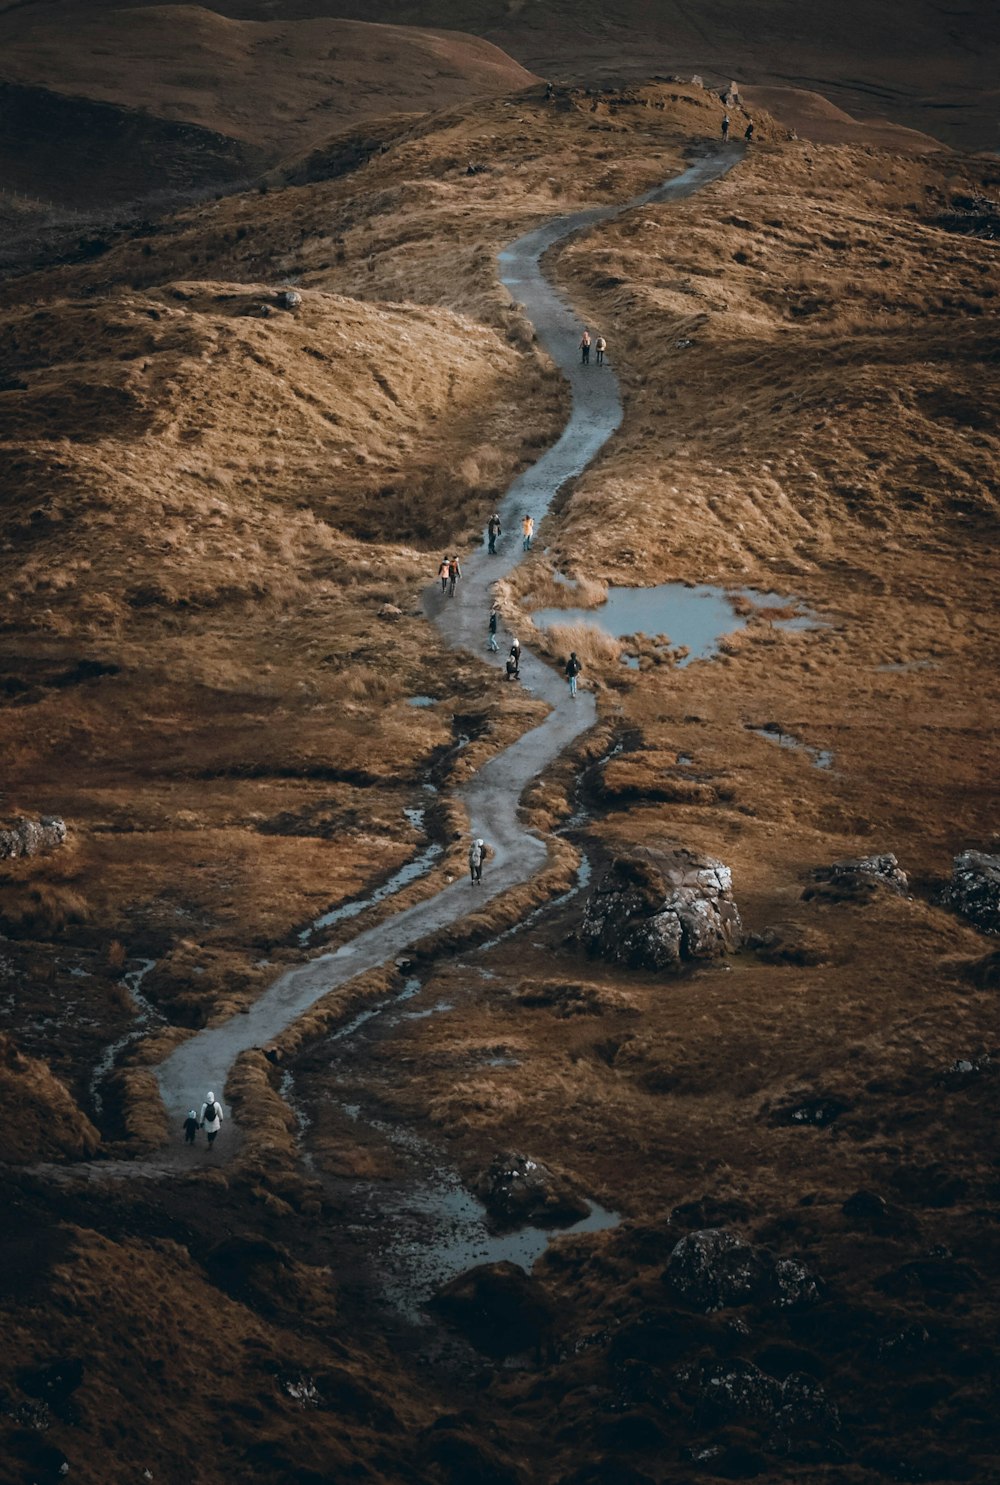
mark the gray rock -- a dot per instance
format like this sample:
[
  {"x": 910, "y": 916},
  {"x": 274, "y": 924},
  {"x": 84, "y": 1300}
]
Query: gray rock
[
  {"x": 30, "y": 837},
  {"x": 884, "y": 870},
  {"x": 390, "y": 612},
  {"x": 658, "y": 909},
  {"x": 715, "y": 1267},
  {"x": 289, "y": 299},
  {"x": 974, "y": 889},
  {"x": 516, "y": 1189}
]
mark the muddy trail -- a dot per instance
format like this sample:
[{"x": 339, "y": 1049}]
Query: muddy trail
[{"x": 492, "y": 797}]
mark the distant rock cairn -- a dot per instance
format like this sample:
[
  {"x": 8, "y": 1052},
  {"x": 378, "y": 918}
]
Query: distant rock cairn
[
  {"x": 658, "y": 909},
  {"x": 30, "y": 837}
]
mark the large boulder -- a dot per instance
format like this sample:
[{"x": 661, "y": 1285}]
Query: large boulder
[
  {"x": 660, "y": 909},
  {"x": 974, "y": 889},
  {"x": 714, "y": 1268},
  {"x": 516, "y": 1189},
  {"x": 30, "y": 837}
]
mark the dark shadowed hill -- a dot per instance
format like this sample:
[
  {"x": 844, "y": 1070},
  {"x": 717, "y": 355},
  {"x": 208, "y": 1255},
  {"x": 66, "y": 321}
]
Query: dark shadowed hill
[{"x": 915, "y": 62}]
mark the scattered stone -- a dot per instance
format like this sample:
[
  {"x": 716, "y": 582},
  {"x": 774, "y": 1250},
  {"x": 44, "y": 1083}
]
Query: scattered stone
[
  {"x": 858, "y": 880},
  {"x": 390, "y": 612},
  {"x": 658, "y": 909},
  {"x": 974, "y": 889},
  {"x": 516, "y": 1189},
  {"x": 289, "y": 299},
  {"x": 30, "y": 837},
  {"x": 260, "y": 311},
  {"x": 715, "y": 1268},
  {"x": 816, "y": 1112},
  {"x": 731, "y": 96},
  {"x": 697, "y": 82}
]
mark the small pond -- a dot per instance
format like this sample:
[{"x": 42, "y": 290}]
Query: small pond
[{"x": 693, "y": 618}]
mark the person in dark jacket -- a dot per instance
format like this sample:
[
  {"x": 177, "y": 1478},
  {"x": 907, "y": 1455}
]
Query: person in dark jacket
[
  {"x": 190, "y": 1127},
  {"x": 493, "y": 530},
  {"x": 494, "y": 618},
  {"x": 515, "y": 655},
  {"x": 573, "y": 669},
  {"x": 454, "y": 573}
]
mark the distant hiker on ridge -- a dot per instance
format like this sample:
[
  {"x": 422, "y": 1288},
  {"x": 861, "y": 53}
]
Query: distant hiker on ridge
[
  {"x": 477, "y": 853},
  {"x": 748, "y": 132},
  {"x": 527, "y": 532},
  {"x": 600, "y": 347},
  {"x": 725, "y": 128},
  {"x": 211, "y": 1118},
  {"x": 443, "y": 573},
  {"x": 572, "y": 669},
  {"x": 454, "y": 573},
  {"x": 585, "y": 348},
  {"x": 190, "y": 1127},
  {"x": 492, "y": 641},
  {"x": 515, "y": 655},
  {"x": 494, "y": 530}
]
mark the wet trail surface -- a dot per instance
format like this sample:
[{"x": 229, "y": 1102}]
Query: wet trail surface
[{"x": 492, "y": 797}]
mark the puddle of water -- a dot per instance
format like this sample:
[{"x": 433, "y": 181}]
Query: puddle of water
[
  {"x": 819, "y": 757},
  {"x": 421, "y": 700},
  {"x": 694, "y": 618},
  {"x": 684, "y": 760},
  {"x": 406, "y": 874},
  {"x": 438, "y": 1229},
  {"x": 442, "y": 1007},
  {"x": 903, "y": 667}
]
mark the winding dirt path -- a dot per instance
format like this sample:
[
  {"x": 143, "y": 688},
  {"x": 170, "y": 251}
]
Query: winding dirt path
[{"x": 492, "y": 797}]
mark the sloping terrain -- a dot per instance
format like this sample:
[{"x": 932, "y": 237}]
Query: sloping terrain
[
  {"x": 212, "y": 633},
  {"x": 916, "y": 64}
]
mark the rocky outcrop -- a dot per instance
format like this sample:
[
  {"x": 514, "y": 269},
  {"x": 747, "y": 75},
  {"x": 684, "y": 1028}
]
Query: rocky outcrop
[
  {"x": 859, "y": 878},
  {"x": 516, "y": 1189},
  {"x": 40, "y": 1120},
  {"x": 660, "y": 909},
  {"x": 974, "y": 889},
  {"x": 30, "y": 837},
  {"x": 715, "y": 1268},
  {"x": 736, "y": 1390}
]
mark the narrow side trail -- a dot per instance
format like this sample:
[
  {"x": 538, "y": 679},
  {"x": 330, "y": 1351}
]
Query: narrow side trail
[{"x": 493, "y": 796}]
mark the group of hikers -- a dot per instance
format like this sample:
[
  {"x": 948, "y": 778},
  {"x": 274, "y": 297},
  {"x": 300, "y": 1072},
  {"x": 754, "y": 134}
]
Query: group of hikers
[
  {"x": 210, "y": 1120},
  {"x": 727, "y": 124},
  {"x": 600, "y": 346},
  {"x": 449, "y": 572}
]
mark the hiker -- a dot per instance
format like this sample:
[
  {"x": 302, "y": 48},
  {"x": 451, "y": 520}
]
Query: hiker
[
  {"x": 725, "y": 128},
  {"x": 477, "y": 853},
  {"x": 585, "y": 348},
  {"x": 443, "y": 573},
  {"x": 211, "y": 1118},
  {"x": 572, "y": 669},
  {"x": 190, "y": 1127},
  {"x": 748, "y": 132},
  {"x": 600, "y": 348},
  {"x": 527, "y": 532},
  {"x": 492, "y": 641},
  {"x": 494, "y": 530},
  {"x": 511, "y": 668},
  {"x": 454, "y": 573},
  {"x": 515, "y": 655}
]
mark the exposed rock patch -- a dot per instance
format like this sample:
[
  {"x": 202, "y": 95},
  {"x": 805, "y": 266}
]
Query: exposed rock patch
[
  {"x": 715, "y": 1268},
  {"x": 659, "y": 909},
  {"x": 974, "y": 889},
  {"x": 858, "y": 880},
  {"x": 30, "y": 837},
  {"x": 516, "y": 1189}
]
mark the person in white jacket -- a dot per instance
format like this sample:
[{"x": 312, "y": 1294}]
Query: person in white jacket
[{"x": 211, "y": 1118}]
